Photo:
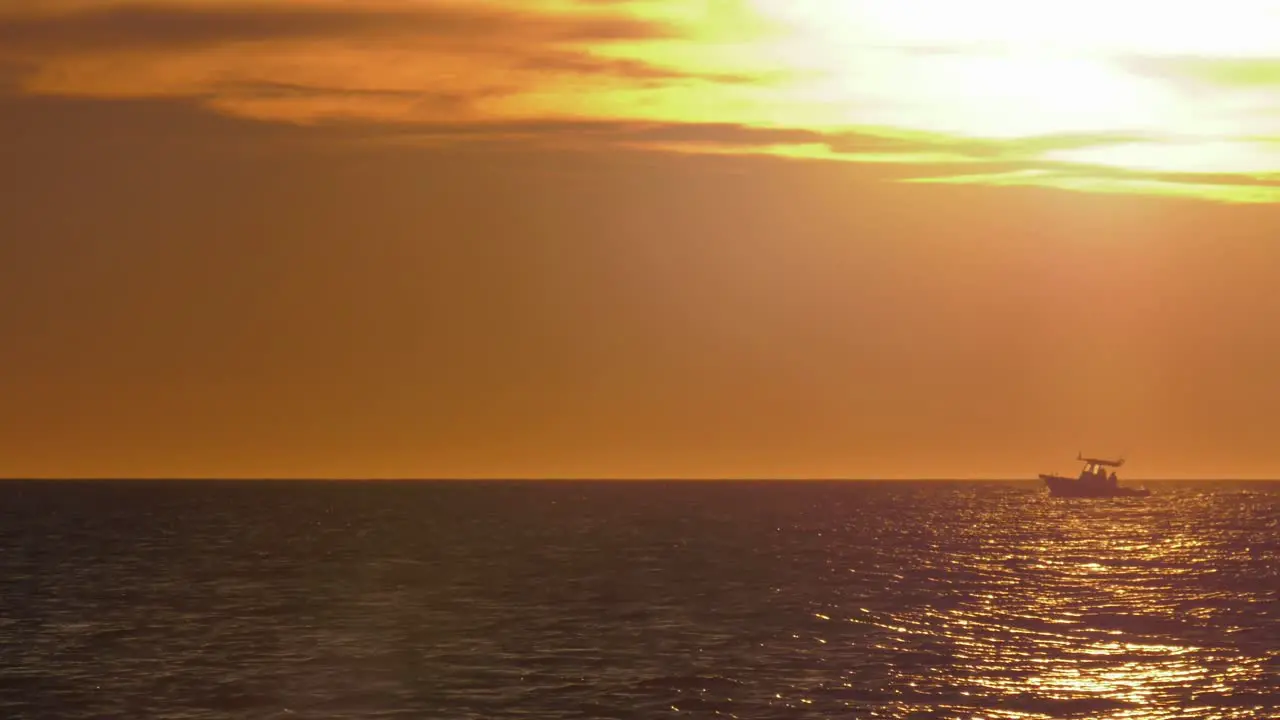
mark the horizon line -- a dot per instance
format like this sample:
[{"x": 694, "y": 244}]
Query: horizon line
[{"x": 584, "y": 479}]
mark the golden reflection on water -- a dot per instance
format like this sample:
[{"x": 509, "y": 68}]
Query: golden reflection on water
[
  {"x": 1087, "y": 619},
  {"x": 1127, "y": 671}
]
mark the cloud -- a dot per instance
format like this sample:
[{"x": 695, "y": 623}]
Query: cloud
[
  {"x": 1217, "y": 188},
  {"x": 861, "y": 144},
  {"x": 1214, "y": 72},
  {"x": 174, "y": 26},
  {"x": 671, "y": 76},
  {"x": 644, "y": 73},
  {"x": 216, "y": 48},
  {"x": 240, "y": 57}
]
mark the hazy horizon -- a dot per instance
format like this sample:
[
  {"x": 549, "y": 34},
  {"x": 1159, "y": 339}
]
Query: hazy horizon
[{"x": 709, "y": 479}]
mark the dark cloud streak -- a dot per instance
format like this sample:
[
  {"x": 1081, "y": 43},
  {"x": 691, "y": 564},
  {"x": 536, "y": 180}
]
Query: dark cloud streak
[
  {"x": 134, "y": 27},
  {"x": 588, "y": 64},
  {"x": 152, "y": 121}
]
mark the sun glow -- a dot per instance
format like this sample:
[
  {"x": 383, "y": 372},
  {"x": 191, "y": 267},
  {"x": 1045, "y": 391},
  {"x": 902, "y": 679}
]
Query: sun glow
[
  {"x": 1235, "y": 27},
  {"x": 995, "y": 96},
  {"x": 1009, "y": 69},
  {"x": 986, "y": 69}
]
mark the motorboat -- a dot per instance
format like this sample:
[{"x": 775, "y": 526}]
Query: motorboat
[{"x": 1092, "y": 482}]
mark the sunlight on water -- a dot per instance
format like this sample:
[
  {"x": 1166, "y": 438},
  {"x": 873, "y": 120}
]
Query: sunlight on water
[
  {"x": 1092, "y": 613},
  {"x": 770, "y": 601}
]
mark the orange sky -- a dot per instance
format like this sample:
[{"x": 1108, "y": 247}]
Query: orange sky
[{"x": 634, "y": 238}]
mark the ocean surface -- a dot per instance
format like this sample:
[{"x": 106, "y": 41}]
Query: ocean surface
[{"x": 763, "y": 600}]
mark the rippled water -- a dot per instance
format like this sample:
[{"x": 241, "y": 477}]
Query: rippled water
[{"x": 595, "y": 600}]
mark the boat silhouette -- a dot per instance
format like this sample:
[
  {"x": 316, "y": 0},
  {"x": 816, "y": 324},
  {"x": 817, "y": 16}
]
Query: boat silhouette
[{"x": 1092, "y": 482}]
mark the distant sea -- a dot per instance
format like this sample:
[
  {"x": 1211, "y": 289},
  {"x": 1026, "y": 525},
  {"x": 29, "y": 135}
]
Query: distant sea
[{"x": 771, "y": 600}]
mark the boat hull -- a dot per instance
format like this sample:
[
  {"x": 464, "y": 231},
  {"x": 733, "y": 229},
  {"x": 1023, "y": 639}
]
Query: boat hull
[{"x": 1071, "y": 487}]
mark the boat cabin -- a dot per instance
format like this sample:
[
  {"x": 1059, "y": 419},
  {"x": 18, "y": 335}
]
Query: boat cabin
[{"x": 1095, "y": 469}]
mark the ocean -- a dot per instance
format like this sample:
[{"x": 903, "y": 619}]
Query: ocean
[{"x": 771, "y": 600}]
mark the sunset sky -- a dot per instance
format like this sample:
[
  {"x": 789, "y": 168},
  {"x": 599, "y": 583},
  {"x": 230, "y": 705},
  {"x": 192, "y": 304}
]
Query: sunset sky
[{"x": 637, "y": 238}]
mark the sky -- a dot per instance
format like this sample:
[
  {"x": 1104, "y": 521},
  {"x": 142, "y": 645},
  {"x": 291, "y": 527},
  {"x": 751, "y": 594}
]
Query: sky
[{"x": 638, "y": 238}]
